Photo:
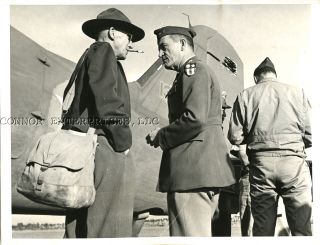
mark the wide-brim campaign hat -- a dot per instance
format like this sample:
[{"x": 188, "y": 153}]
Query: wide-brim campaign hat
[{"x": 112, "y": 18}]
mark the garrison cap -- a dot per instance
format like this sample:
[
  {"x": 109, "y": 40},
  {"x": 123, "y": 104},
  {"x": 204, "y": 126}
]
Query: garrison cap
[
  {"x": 171, "y": 30},
  {"x": 266, "y": 65}
]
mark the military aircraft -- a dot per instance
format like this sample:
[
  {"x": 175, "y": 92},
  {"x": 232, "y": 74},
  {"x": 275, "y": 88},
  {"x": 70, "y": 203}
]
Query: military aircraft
[{"x": 37, "y": 82}]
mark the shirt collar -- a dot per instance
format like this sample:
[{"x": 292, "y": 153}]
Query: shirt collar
[{"x": 271, "y": 79}]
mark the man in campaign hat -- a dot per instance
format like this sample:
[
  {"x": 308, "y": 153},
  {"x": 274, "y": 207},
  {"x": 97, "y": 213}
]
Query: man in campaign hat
[
  {"x": 102, "y": 102},
  {"x": 195, "y": 161},
  {"x": 271, "y": 118}
]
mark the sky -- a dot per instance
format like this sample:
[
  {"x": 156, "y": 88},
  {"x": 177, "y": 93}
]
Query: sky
[
  {"x": 287, "y": 33},
  {"x": 256, "y": 31}
]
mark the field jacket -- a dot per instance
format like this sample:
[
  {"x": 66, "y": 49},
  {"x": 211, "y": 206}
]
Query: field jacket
[{"x": 271, "y": 118}]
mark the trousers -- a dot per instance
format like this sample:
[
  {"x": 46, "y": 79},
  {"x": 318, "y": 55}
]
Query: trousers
[
  {"x": 221, "y": 220},
  {"x": 245, "y": 206},
  {"x": 111, "y": 214},
  {"x": 190, "y": 213},
  {"x": 285, "y": 176}
]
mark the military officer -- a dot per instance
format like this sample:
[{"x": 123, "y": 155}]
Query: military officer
[{"x": 195, "y": 161}]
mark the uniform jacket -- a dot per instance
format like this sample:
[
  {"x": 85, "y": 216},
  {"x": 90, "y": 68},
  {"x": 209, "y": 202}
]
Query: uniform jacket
[
  {"x": 271, "y": 117},
  {"x": 101, "y": 98},
  {"x": 195, "y": 153}
]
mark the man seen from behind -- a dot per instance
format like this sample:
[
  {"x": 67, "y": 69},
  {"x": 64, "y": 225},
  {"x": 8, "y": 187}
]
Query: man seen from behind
[{"x": 272, "y": 119}]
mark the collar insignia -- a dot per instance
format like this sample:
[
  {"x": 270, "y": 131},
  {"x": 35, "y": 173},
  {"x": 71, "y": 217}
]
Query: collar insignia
[{"x": 190, "y": 68}]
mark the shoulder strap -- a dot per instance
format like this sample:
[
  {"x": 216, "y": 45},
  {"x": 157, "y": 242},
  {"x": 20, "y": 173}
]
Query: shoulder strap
[{"x": 69, "y": 95}]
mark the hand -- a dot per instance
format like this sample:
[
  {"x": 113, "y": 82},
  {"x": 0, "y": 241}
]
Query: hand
[
  {"x": 243, "y": 155},
  {"x": 240, "y": 152},
  {"x": 153, "y": 138}
]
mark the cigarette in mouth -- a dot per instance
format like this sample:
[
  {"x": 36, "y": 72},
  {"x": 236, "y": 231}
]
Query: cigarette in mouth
[{"x": 136, "y": 51}]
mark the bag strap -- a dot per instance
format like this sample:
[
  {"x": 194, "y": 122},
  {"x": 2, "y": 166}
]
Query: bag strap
[
  {"x": 67, "y": 101},
  {"x": 71, "y": 91}
]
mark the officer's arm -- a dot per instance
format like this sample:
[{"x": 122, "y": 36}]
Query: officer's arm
[
  {"x": 102, "y": 72},
  {"x": 196, "y": 97},
  {"x": 235, "y": 132}
]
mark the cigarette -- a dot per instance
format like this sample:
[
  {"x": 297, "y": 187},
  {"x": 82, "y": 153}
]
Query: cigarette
[{"x": 136, "y": 51}]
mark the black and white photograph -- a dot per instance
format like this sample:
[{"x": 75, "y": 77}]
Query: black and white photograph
[{"x": 160, "y": 122}]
